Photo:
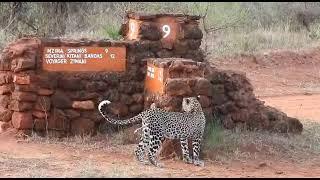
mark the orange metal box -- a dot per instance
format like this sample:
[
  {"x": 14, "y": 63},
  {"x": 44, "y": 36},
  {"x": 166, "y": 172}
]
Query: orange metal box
[{"x": 155, "y": 79}]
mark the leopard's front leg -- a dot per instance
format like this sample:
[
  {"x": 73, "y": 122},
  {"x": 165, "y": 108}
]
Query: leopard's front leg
[
  {"x": 144, "y": 140},
  {"x": 185, "y": 150},
  {"x": 196, "y": 152},
  {"x": 155, "y": 143}
]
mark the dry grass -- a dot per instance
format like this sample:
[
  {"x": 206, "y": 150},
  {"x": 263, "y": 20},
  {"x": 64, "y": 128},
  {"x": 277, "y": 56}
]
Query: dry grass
[
  {"x": 86, "y": 142},
  {"x": 244, "y": 145},
  {"x": 259, "y": 40},
  {"x": 4, "y": 39},
  {"x": 101, "y": 141},
  {"x": 23, "y": 167},
  {"x": 88, "y": 169},
  {"x": 311, "y": 87}
]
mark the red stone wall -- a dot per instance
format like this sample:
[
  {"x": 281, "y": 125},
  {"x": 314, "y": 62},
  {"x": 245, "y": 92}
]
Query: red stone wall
[
  {"x": 235, "y": 104},
  {"x": 66, "y": 102}
]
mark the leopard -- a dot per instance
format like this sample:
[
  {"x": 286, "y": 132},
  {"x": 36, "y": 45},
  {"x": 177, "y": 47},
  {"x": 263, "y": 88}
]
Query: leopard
[
  {"x": 152, "y": 106},
  {"x": 159, "y": 124}
]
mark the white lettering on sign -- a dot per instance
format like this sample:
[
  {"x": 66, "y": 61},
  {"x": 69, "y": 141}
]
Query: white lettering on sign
[
  {"x": 57, "y": 56},
  {"x": 77, "y": 50},
  {"x": 54, "y": 50},
  {"x": 89, "y": 58},
  {"x": 75, "y": 55},
  {"x": 166, "y": 29},
  {"x": 78, "y": 61},
  {"x": 56, "y": 61},
  {"x": 112, "y": 55},
  {"x": 95, "y": 56},
  {"x": 150, "y": 72}
]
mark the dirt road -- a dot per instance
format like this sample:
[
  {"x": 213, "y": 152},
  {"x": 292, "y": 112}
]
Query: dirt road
[
  {"x": 27, "y": 159},
  {"x": 301, "y": 106}
]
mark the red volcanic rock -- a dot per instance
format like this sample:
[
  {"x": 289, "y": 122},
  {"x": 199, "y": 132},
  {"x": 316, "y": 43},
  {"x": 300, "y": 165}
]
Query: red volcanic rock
[
  {"x": 22, "y": 120},
  {"x": 5, "y": 114},
  {"x": 24, "y": 96},
  {"x": 87, "y": 105},
  {"x": 45, "y": 92}
]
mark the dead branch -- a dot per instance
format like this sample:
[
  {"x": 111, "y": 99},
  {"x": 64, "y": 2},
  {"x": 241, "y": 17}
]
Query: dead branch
[{"x": 210, "y": 30}]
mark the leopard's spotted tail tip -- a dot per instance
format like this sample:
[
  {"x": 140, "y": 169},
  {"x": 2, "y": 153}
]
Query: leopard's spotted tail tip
[{"x": 103, "y": 103}]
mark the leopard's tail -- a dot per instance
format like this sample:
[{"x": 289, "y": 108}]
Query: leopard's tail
[{"x": 102, "y": 106}]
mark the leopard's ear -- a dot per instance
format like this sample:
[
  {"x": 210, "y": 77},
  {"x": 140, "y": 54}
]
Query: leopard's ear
[
  {"x": 198, "y": 97},
  {"x": 153, "y": 106}
]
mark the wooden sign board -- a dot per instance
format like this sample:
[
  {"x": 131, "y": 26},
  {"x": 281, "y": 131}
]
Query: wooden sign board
[
  {"x": 155, "y": 79},
  {"x": 76, "y": 59}
]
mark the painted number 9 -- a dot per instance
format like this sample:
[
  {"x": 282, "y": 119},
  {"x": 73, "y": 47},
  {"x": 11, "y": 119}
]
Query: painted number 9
[{"x": 166, "y": 30}]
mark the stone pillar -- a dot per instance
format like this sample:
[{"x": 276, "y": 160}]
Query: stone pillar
[
  {"x": 177, "y": 35},
  {"x": 20, "y": 58},
  {"x": 169, "y": 80},
  {"x": 6, "y": 86}
]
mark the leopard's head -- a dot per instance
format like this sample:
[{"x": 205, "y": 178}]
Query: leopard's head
[{"x": 191, "y": 104}]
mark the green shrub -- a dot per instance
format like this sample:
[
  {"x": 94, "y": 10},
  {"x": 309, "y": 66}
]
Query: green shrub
[
  {"x": 112, "y": 32},
  {"x": 213, "y": 135},
  {"x": 315, "y": 31}
]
